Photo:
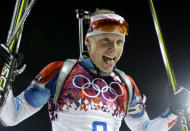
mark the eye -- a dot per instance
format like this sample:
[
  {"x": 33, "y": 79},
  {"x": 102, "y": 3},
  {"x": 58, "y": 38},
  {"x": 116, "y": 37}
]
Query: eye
[
  {"x": 106, "y": 40},
  {"x": 120, "y": 42}
]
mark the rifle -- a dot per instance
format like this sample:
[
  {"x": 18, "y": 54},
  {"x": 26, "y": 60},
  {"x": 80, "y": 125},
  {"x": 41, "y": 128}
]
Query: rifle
[{"x": 10, "y": 49}]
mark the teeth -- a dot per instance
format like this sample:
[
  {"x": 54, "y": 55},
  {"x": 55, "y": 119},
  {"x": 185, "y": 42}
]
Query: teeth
[
  {"x": 111, "y": 57},
  {"x": 108, "y": 60}
]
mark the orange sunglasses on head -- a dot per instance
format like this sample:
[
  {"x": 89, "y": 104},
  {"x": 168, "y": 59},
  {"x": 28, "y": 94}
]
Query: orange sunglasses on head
[{"x": 109, "y": 25}]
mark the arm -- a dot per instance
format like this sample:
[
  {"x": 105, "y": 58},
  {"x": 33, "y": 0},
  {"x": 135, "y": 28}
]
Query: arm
[
  {"x": 17, "y": 109},
  {"x": 141, "y": 122}
]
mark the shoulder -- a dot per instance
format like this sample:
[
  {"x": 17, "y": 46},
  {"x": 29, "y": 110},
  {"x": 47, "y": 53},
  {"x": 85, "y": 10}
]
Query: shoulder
[
  {"x": 49, "y": 71},
  {"x": 121, "y": 74}
]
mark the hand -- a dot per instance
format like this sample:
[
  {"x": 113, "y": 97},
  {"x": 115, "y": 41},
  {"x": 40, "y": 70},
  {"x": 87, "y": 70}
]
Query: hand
[
  {"x": 19, "y": 58},
  {"x": 178, "y": 100},
  {"x": 4, "y": 55}
]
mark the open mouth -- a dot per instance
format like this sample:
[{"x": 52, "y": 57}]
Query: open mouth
[{"x": 109, "y": 59}]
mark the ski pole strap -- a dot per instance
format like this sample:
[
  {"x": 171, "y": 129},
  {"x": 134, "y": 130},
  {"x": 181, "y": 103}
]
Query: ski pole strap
[
  {"x": 129, "y": 86},
  {"x": 63, "y": 74}
]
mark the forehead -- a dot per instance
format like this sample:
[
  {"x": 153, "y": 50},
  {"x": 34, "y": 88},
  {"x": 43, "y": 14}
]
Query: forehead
[{"x": 110, "y": 35}]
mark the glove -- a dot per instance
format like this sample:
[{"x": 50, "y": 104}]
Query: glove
[
  {"x": 178, "y": 100},
  {"x": 4, "y": 54},
  {"x": 19, "y": 58}
]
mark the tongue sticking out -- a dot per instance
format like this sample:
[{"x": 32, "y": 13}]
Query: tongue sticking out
[{"x": 109, "y": 61}]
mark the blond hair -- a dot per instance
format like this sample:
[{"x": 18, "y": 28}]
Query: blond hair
[{"x": 101, "y": 11}]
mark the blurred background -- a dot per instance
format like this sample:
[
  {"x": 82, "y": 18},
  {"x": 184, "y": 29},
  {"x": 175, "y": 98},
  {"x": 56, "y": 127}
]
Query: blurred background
[{"x": 51, "y": 34}]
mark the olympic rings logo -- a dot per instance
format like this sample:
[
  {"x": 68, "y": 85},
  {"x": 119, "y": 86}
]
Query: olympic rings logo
[{"x": 92, "y": 90}]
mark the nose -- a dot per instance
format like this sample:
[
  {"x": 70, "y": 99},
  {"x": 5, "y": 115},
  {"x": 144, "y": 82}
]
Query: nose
[{"x": 113, "y": 46}]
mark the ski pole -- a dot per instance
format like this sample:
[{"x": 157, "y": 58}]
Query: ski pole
[
  {"x": 21, "y": 11},
  {"x": 19, "y": 23},
  {"x": 167, "y": 63}
]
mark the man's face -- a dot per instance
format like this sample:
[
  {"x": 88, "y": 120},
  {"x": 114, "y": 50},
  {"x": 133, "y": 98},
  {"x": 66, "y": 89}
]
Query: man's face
[{"x": 105, "y": 50}]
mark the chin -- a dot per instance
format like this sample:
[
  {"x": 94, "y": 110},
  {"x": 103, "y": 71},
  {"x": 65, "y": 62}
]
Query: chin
[{"x": 107, "y": 71}]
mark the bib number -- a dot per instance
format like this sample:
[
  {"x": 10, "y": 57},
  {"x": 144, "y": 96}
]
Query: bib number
[{"x": 96, "y": 124}]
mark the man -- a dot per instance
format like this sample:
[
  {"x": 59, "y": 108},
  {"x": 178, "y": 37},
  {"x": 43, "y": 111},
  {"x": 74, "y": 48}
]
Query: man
[{"x": 93, "y": 97}]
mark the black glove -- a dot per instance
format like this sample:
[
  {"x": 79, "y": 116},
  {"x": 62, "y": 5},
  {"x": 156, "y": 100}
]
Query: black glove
[
  {"x": 178, "y": 100},
  {"x": 19, "y": 58},
  {"x": 4, "y": 54}
]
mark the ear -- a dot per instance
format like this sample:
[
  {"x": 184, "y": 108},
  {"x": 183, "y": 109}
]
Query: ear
[{"x": 87, "y": 42}]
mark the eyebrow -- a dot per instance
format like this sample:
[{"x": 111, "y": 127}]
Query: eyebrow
[
  {"x": 105, "y": 38},
  {"x": 109, "y": 39}
]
